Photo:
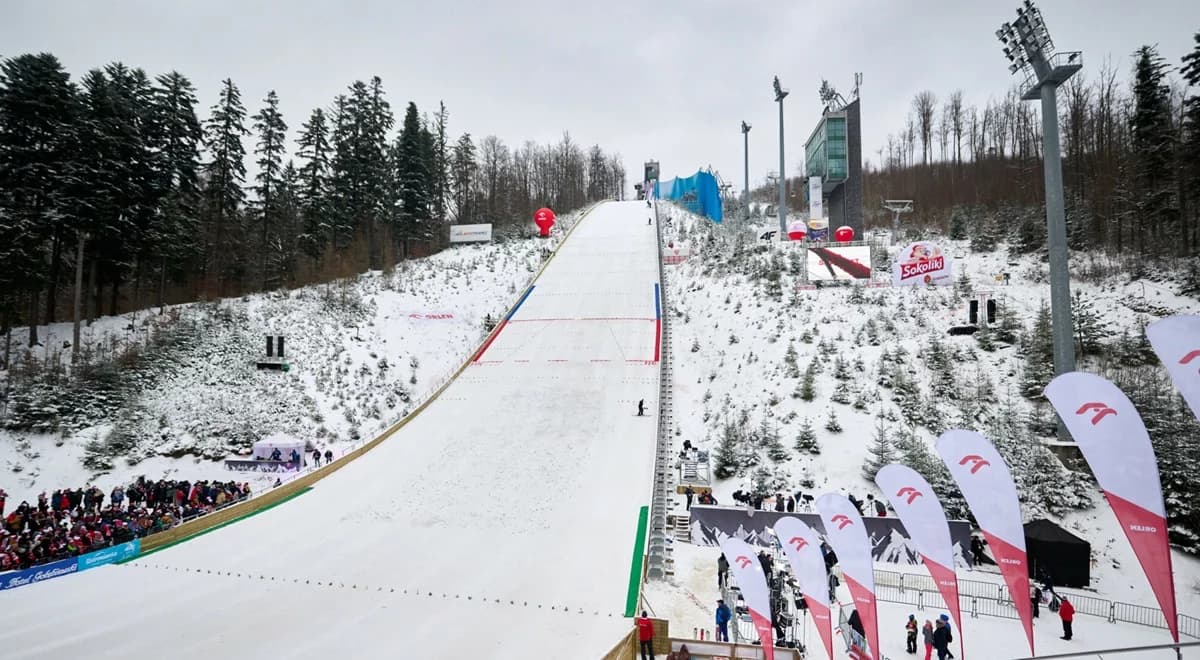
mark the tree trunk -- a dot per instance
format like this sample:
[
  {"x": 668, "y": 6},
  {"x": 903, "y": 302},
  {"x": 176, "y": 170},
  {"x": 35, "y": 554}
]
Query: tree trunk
[
  {"x": 162, "y": 285},
  {"x": 7, "y": 325},
  {"x": 93, "y": 288},
  {"x": 77, "y": 317},
  {"x": 116, "y": 293},
  {"x": 33, "y": 317},
  {"x": 55, "y": 269},
  {"x": 137, "y": 284}
]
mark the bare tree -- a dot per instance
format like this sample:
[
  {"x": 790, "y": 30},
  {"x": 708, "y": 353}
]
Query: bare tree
[
  {"x": 923, "y": 107},
  {"x": 955, "y": 105}
]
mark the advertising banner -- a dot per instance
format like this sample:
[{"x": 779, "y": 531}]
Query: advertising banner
[
  {"x": 816, "y": 199},
  {"x": 1176, "y": 341},
  {"x": 238, "y": 465},
  {"x": 14, "y": 579},
  {"x": 471, "y": 233},
  {"x": 1113, "y": 439},
  {"x": 839, "y": 263},
  {"x": 987, "y": 485},
  {"x": 890, "y": 541},
  {"x": 922, "y": 263},
  {"x": 748, "y": 572},
  {"x": 918, "y": 508},
  {"x": 803, "y": 549},
  {"x": 847, "y": 536},
  {"x": 113, "y": 555}
]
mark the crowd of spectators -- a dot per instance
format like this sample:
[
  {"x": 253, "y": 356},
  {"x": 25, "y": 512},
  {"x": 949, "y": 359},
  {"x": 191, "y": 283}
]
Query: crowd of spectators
[{"x": 71, "y": 522}]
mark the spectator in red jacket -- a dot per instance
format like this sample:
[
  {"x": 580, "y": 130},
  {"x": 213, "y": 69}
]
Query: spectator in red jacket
[
  {"x": 645, "y": 628},
  {"x": 1067, "y": 612}
]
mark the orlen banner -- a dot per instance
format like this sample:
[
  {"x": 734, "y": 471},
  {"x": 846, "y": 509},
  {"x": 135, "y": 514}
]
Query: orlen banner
[
  {"x": 847, "y": 536},
  {"x": 471, "y": 233},
  {"x": 987, "y": 485},
  {"x": 748, "y": 573},
  {"x": 1176, "y": 341},
  {"x": 816, "y": 199},
  {"x": 922, "y": 263},
  {"x": 802, "y": 546},
  {"x": 919, "y": 509},
  {"x": 1113, "y": 439}
]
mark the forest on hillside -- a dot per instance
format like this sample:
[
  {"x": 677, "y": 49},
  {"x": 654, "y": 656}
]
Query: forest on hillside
[
  {"x": 113, "y": 185},
  {"x": 1131, "y": 162}
]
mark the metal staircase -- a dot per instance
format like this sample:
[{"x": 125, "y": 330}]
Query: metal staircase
[{"x": 659, "y": 561}]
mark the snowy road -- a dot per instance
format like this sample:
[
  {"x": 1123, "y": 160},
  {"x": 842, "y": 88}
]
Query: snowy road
[{"x": 521, "y": 483}]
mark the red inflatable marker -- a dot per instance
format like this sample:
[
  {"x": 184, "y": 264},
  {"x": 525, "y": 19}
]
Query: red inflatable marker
[
  {"x": 796, "y": 231},
  {"x": 544, "y": 219},
  {"x": 843, "y": 234}
]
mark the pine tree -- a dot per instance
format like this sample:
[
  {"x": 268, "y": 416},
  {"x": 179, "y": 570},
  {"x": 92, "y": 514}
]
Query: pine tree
[
  {"x": 806, "y": 439},
  {"x": 831, "y": 423},
  {"x": 808, "y": 390},
  {"x": 1153, "y": 137},
  {"x": 224, "y": 176},
  {"x": 841, "y": 393},
  {"x": 1038, "y": 351},
  {"x": 272, "y": 131},
  {"x": 881, "y": 452},
  {"x": 314, "y": 185},
  {"x": 413, "y": 176},
  {"x": 1090, "y": 327},
  {"x": 791, "y": 368},
  {"x": 463, "y": 170},
  {"x": 959, "y": 221},
  {"x": 175, "y": 105},
  {"x": 725, "y": 458},
  {"x": 441, "y": 164},
  {"x": 770, "y": 440}
]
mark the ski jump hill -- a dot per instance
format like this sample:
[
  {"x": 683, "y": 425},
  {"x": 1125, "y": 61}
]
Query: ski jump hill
[{"x": 499, "y": 522}]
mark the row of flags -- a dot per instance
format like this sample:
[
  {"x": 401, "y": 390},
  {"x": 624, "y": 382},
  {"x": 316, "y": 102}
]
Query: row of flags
[{"x": 1112, "y": 438}]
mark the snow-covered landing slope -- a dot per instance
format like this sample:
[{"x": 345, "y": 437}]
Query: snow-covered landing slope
[{"x": 499, "y": 523}]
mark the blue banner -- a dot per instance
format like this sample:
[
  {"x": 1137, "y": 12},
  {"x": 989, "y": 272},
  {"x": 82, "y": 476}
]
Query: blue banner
[
  {"x": 117, "y": 553},
  {"x": 56, "y": 569},
  {"x": 39, "y": 573}
]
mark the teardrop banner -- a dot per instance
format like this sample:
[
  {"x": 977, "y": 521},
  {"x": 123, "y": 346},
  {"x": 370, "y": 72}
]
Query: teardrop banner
[
  {"x": 1176, "y": 341},
  {"x": 919, "y": 509},
  {"x": 748, "y": 573},
  {"x": 847, "y": 535},
  {"x": 802, "y": 546},
  {"x": 1114, "y": 441},
  {"x": 987, "y": 485}
]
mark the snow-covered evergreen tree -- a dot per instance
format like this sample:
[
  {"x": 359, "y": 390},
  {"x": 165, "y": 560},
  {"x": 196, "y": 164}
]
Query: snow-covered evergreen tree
[
  {"x": 270, "y": 149},
  {"x": 1038, "y": 351},
  {"x": 806, "y": 439},
  {"x": 831, "y": 422},
  {"x": 881, "y": 452}
]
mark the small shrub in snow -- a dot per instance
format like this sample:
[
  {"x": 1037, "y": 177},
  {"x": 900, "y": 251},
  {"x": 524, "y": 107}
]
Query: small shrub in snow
[
  {"x": 831, "y": 422},
  {"x": 841, "y": 394},
  {"x": 806, "y": 439}
]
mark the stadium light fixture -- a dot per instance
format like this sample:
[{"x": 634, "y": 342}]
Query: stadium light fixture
[
  {"x": 1028, "y": 45},
  {"x": 780, "y": 95}
]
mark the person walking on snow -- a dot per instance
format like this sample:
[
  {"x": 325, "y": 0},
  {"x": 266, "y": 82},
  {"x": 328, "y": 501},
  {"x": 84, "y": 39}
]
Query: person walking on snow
[
  {"x": 645, "y": 628},
  {"x": 941, "y": 639},
  {"x": 927, "y": 636},
  {"x": 910, "y": 632},
  {"x": 641, "y": 407},
  {"x": 945, "y": 618},
  {"x": 723, "y": 617},
  {"x": 1066, "y": 611}
]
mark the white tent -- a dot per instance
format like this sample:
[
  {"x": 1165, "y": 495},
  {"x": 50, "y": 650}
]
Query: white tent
[{"x": 285, "y": 444}]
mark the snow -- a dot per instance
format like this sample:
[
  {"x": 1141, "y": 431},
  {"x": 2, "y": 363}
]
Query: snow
[
  {"x": 363, "y": 352},
  {"x": 731, "y": 337},
  {"x": 498, "y": 523}
]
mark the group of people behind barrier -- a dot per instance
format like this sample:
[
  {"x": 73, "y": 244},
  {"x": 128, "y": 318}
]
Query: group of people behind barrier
[{"x": 71, "y": 522}]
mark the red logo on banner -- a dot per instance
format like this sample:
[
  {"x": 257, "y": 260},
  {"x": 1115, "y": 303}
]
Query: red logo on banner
[
  {"x": 1192, "y": 355},
  {"x": 842, "y": 520},
  {"x": 799, "y": 542},
  {"x": 742, "y": 561},
  {"x": 978, "y": 461},
  {"x": 911, "y": 492},
  {"x": 1102, "y": 410}
]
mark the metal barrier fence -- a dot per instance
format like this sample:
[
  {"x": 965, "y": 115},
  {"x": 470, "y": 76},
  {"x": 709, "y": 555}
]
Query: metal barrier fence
[{"x": 977, "y": 597}]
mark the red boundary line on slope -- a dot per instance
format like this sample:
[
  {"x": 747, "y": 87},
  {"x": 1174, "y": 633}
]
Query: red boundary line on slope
[
  {"x": 657, "y": 337},
  {"x": 488, "y": 343},
  {"x": 584, "y": 318}
]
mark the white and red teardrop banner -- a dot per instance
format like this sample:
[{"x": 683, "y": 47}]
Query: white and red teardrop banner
[
  {"x": 802, "y": 546},
  {"x": 748, "y": 573},
  {"x": 1176, "y": 341},
  {"x": 1114, "y": 441},
  {"x": 847, "y": 536},
  {"x": 921, "y": 512},
  {"x": 987, "y": 485}
]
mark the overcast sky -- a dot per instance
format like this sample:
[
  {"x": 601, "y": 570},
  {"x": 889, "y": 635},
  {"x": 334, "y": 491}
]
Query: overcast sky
[{"x": 663, "y": 79}]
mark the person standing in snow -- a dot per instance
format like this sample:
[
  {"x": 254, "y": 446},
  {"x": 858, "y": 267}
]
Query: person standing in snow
[
  {"x": 945, "y": 620},
  {"x": 976, "y": 550},
  {"x": 316, "y": 456},
  {"x": 910, "y": 634},
  {"x": 3, "y": 497},
  {"x": 1066, "y": 611},
  {"x": 723, "y": 616},
  {"x": 722, "y": 571},
  {"x": 641, "y": 407},
  {"x": 689, "y": 494},
  {"x": 328, "y": 456},
  {"x": 645, "y": 628},
  {"x": 1035, "y": 597},
  {"x": 927, "y": 636},
  {"x": 941, "y": 639}
]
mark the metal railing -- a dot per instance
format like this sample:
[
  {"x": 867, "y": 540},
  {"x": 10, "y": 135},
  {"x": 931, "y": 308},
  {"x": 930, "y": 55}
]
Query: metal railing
[
  {"x": 657, "y": 548},
  {"x": 977, "y": 597}
]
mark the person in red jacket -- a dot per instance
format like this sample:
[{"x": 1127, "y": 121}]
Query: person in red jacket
[
  {"x": 645, "y": 628},
  {"x": 1067, "y": 612}
]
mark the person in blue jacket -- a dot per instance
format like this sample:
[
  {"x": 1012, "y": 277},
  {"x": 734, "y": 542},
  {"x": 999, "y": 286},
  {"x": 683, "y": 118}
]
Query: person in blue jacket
[{"x": 723, "y": 616}]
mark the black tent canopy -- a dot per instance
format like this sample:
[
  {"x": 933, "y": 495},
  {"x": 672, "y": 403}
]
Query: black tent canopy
[{"x": 1054, "y": 551}]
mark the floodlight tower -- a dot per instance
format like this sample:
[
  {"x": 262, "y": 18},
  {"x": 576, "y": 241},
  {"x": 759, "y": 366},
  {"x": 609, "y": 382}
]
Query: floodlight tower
[
  {"x": 746, "y": 165},
  {"x": 1028, "y": 46},
  {"x": 780, "y": 95}
]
